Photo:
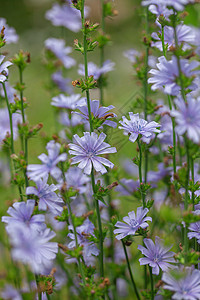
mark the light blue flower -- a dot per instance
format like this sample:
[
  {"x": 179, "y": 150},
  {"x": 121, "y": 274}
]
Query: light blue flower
[
  {"x": 132, "y": 223},
  {"x": 87, "y": 150}
]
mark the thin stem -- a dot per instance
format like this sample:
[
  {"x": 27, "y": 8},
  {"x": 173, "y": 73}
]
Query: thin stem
[
  {"x": 178, "y": 58},
  {"x": 185, "y": 137},
  {"x": 146, "y": 67},
  {"x": 86, "y": 63},
  {"x": 170, "y": 107},
  {"x": 140, "y": 171},
  {"x": 91, "y": 130},
  {"x": 10, "y": 118},
  {"x": 192, "y": 171},
  {"x": 152, "y": 284},
  {"x": 48, "y": 297},
  {"x": 76, "y": 240},
  {"x": 37, "y": 281},
  {"x": 102, "y": 53},
  {"x": 146, "y": 91},
  {"x": 21, "y": 94},
  {"x": 130, "y": 272},
  {"x": 99, "y": 227},
  {"x": 74, "y": 227},
  {"x": 24, "y": 139}
]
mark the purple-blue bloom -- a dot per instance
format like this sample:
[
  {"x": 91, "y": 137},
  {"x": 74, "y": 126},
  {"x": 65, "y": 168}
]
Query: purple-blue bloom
[
  {"x": 21, "y": 214},
  {"x": 83, "y": 233},
  {"x": 136, "y": 126},
  {"x": 97, "y": 111},
  {"x": 47, "y": 196},
  {"x": 10, "y": 293},
  {"x": 94, "y": 70},
  {"x": 160, "y": 9},
  {"x": 57, "y": 46},
  {"x": 10, "y": 33},
  {"x": 132, "y": 55},
  {"x": 32, "y": 247},
  {"x": 156, "y": 176},
  {"x": 185, "y": 35},
  {"x": 195, "y": 228},
  {"x": 65, "y": 15},
  {"x": 178, "y": 5},
  {"x": 5, "y": 124},
  {"x": 87, "y": 150},
  {"x": 64, "y": 84},
  {"x": 76, "y": 179},
  {"x": 4, "y": 68},
  {"x": 49, "y": 163},
  {"x": 69, "y": 120},
  {"x": 10, "y": 92},
  {"x": 187, "y": 116},
  {"x": 127, "y": 187},
  {"x": 184, "y": 283},
  {"x": 68, "y": 102},
  {"x": 157, "y": 256},
  {"x": 165, "y": 78},
  {"x": 133, "y": 223}
]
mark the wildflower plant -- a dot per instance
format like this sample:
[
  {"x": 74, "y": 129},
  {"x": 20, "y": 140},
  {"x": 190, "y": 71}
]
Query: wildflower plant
[{"x": 85, "y": 221}]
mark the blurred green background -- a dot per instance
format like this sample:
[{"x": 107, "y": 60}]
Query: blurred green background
[{"x": 28, "y": 18}]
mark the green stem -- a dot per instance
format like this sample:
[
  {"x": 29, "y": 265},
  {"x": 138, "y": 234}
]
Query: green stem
[
  {"x": 140, "y": 171},
  {"x": 86, "y": 63},
  {"x": 99, "y": 227},
  {"x": 76, "y": 240},
  {"x": 102, "y": 52},
  {"x": 130, "y": 272},
  {"x": 152, "y": 284},
  {"x": 192, "y": 171},
  {"x": 21, "y": 94},
  {"x": 37, "y": 281},
  {"x": 146, "y": 67},
  {"x": 178, "y": 58},
  {"x": 146, "y": 91},
  {"x": 170, "y": 107},
  {"x": 10, "y": 118},
  {"x": 91, "y": 130},
  {"x": 24, "y": 139},
  {"x": 48, "y": 297},
  {"x": 11, "y": 133}
]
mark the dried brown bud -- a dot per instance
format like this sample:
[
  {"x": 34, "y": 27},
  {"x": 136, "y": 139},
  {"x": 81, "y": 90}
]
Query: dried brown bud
[
  {"x": 2, "y": 34},
  {"x": 63, "y": 247},
  {"x": 63, "y": 188},
  {"x": 87, "y": 24},
  {"x": 157, "y": 107},
  {"x": 75, "y": 42},
  {"x": 89, "y": 213},
  {"x": 107, "y": 116},
  {"x": 53, "y": 271},
  {"x": 172, "y": 49},
  {"x": 75, "y": 83},
  {"x": 28, "y": 58},
  {"x": 159, "y": 284},
  {"x": 112, "y": 185},
  {"x": 106, "y": 281},
  {"x": 128, "y": 243},
  {"x": 176, "y": 176},
  {"x": 184, "y": 14},
  {"x": 55, "y": 137}
]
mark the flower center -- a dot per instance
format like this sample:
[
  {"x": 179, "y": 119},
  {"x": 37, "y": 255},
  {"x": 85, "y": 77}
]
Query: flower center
[
  {"x": 134, "y": 223},
  {"x": 90, "y": 153}
]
